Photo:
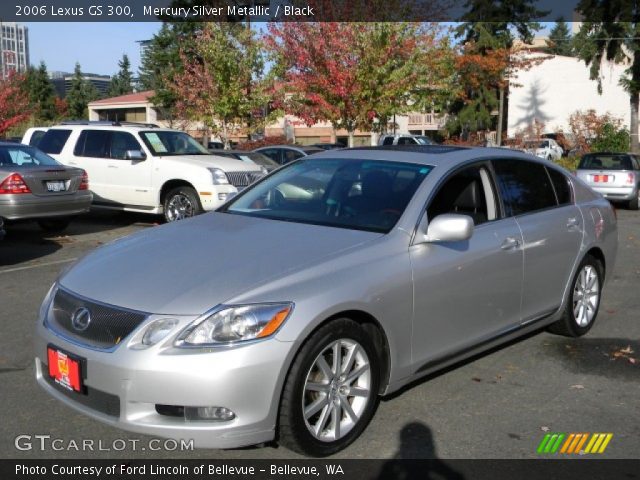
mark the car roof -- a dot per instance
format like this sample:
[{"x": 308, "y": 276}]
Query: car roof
[
  {"x": 292, "y": 147},
  {"x": 434, "y": 155}
]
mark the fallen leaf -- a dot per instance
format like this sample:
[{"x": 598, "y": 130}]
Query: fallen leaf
[
  {"x": 545, "y": 429},
  {"x": 632, "y": 361},
  {"x": 578, "y": 387},
  {"x": 627, "y": 350},
  {"x": 476, "y": 379}
]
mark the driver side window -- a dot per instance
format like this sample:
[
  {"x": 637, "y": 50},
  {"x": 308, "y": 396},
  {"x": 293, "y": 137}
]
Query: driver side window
[{"x": 467, "y": 192}]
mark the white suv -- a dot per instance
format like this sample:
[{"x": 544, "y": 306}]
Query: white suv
[{"x": 143, "y": 168}]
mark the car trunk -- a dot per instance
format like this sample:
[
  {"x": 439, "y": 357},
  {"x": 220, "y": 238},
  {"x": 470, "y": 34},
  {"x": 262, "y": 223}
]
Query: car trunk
[
  {"x": 605, "y": 178},
  {"x": 51, "y": 180}
]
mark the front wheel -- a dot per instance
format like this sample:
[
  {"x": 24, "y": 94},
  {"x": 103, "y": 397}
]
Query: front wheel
[
  {"x": 584, "y": 300},
  {"x": 331, "y": 391},
  {"x": 181, "y": 203}
]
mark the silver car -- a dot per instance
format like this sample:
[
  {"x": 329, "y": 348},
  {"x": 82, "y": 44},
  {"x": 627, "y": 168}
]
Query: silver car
[
  {"x": 615, "y": 175},
  {"x": 337, "y": 279},
  {"x": 34, "y": 186}
]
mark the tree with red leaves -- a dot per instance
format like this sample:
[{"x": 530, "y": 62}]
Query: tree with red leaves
[
  {"x": 358, "y": 75},
  {"x": 14, "y": 101}
]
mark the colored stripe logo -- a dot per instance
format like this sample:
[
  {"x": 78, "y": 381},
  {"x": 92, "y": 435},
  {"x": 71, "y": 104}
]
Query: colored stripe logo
[{"x": 573, "y": 443}]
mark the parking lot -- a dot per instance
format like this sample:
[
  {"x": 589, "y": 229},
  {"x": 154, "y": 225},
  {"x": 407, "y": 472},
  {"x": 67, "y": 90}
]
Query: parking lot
[{"x": 498, "y": 405}]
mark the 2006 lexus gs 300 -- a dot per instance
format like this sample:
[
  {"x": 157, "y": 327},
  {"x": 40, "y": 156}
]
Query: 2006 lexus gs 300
[{"x": 339, "y": 278}]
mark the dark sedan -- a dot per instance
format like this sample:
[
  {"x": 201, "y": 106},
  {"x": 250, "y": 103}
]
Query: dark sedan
[
  {"x": 256, "y": 158},
  {"x": 34, "y": 186},
  {"x": 284, "y": 154}
]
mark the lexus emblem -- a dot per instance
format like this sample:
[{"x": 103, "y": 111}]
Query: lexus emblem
[{"x": 81, "y": 319}]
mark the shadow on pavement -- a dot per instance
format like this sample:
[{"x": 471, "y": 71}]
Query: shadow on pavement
[{"x": 416, "y": 443}]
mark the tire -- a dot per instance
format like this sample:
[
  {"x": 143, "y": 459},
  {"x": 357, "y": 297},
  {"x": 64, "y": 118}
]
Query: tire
[
  {"x": 180, "y": 203},
  {"x": 635, "y": 203},
  {"x": 54, "y": 225},
  {"x": 578, "y": 319},
  {"x": 313, "y": 386}
]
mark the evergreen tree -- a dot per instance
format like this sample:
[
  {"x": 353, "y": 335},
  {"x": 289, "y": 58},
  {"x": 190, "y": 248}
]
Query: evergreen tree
[
  {"x": 42, "y": 95},
  {"x": 122, "y": 82},
  {"x": 560, "y": 41},
  {"x": 80, "y": 94}
]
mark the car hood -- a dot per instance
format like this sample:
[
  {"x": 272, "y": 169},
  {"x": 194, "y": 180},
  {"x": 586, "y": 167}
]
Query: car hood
[
  {"x": 190, "y": 266},
  {"x": 213, "y": 161}
]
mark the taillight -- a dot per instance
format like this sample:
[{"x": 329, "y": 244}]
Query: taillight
[
  {"x": 13, "y": 184},
  {"x": 631, "y": 178},
  {"x": 84, "y": 183}
]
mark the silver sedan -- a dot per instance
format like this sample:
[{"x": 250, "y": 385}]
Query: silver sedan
[
  {"x": 34, "y": 186},
  {"x": 337, "y": 279}
]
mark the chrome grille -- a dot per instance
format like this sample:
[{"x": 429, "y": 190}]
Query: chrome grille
[
  {"x": 243, "y": 179},
  {"x": 108, "y": 326}
]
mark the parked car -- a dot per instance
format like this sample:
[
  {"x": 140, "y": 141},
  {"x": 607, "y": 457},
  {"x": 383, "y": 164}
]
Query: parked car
[
  {"x": 33, "y": 186},
  {"x": 142, "y": 168},
  {"x": 404, "y": 139},
  {"x": 283, "y": 154},
  {"x": 328, "y": 146},
  {"x": 615, "y": 175},
  {"x": 33, "y": 136},
  {"x": 546, "y": 148},
  {"x": 338, "y": 278},
  {"x": 256, "y": 158}
]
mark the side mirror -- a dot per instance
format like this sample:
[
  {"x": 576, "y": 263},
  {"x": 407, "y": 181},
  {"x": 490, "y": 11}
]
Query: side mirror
[
  {"x": 448, "y": 227},
  {"x": 134, "y": 155}
]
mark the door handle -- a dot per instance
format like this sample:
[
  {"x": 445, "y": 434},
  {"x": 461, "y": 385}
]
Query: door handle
[
  {"x": 112, "y": 166},
  {"x": 510, "y": 243},
  {"x": 572, "y": 223}
]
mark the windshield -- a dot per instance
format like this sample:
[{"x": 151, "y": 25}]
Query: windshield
[
  {"x": 167, "y": 142},
  {"x": 605, "y": 162},
  {"x": 424, "y": 140},
  {"x": 347, "y": 193},
  {"x": 22, "y": 156},
  {"x": 258, "y": 158}
]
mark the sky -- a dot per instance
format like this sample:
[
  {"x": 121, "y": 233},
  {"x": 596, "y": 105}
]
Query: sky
[{"x": 96, "y": 46}]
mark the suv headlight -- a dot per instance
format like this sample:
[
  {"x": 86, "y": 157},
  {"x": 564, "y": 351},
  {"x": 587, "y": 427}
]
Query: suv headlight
[
  {"x": 235, "y": 324},
  {"x": 219, "y": 177}
]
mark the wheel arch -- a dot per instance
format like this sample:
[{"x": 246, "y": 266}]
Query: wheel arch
[
  {"x": 170, "y": 185},
  {"x": 598, "y": 254}
]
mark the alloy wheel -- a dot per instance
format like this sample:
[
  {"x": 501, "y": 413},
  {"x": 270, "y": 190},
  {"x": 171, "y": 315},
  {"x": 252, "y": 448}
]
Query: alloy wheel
[
  {"x": 179, "y": 207},
  {"x": 586, "y": 295},
  {"x": 337, "y": 390}
]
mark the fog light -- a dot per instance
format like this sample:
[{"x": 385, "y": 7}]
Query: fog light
[
  {"x": 220, "y": 414},
  {"x": 222, "y": 196}
]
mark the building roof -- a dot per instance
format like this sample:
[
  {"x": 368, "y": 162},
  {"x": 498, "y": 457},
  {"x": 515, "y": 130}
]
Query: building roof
[{"x": 138, "y": 97}]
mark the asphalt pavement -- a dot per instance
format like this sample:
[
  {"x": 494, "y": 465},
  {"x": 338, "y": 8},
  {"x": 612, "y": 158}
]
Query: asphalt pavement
[{"x": 497, "y": 405}]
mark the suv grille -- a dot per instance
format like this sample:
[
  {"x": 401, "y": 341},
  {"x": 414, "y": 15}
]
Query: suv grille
[
  {"x": 243, "y": 179},
  {"x": 107, "y": 327}
]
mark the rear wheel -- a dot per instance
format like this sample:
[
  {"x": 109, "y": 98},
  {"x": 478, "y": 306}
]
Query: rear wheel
[
  {"x": 54, "y": 225},
  {"x": 180, "y": 203},
  {"x": 582, "y": 306},
  {"x": 331, "y": 391}
]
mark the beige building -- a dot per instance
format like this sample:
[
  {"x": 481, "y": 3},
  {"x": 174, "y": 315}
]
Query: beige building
[{"x": 137, "y": 107}]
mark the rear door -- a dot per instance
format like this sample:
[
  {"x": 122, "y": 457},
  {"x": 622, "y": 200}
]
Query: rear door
[
  {"x": 540, "y": 200},
  {"x": 91, "y": 152}
]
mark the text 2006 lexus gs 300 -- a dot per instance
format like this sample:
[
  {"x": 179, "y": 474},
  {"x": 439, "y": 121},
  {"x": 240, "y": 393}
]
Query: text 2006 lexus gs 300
[{"x": 337, "y": 279}]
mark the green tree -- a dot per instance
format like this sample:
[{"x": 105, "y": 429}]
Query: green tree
[
  {"x": 80, "y": 94},
  {"x": 217, "y": 85},
  {"x": 122, "y": 82},
  {"x": 161, "y": 62},
  {"x": 42, "y": 95},
  {"x": 611, "y": 139},
  {"x": 613, "y": 41},
  {"x": 488, "y": 30},
  {"x": 560, "y": 41}
]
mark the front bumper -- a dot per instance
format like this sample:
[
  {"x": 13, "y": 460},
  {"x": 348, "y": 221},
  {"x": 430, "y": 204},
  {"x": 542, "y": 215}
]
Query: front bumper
[
  {"x": 125, "y": 385},
  {"x": 27, "y": 206},
  {"x": 213, "y": 196}
]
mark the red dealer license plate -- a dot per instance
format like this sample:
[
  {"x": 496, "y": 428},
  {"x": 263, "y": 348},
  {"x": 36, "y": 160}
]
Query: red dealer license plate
[
  {"x": 600, "y": 178},
  {"x": 65, "y": 369}
]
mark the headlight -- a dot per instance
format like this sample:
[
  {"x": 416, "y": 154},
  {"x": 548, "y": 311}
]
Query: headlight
[
  {"x": 153, "y": 333},
  {"x": 219, "y": 177},
  {"x": 235, "y": 324}
]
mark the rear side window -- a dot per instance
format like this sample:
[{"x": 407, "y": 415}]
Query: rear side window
[
  {"x": 53, "y": 141},
  {"x": 525, "y": 186},
  {"x": 561, "y": 186},
  {"x": 406, "y": 141},
  {"x": 93, "y": 143},
  {"x": 605, "y": 162},
  {"x": 388, "y": 141}
]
